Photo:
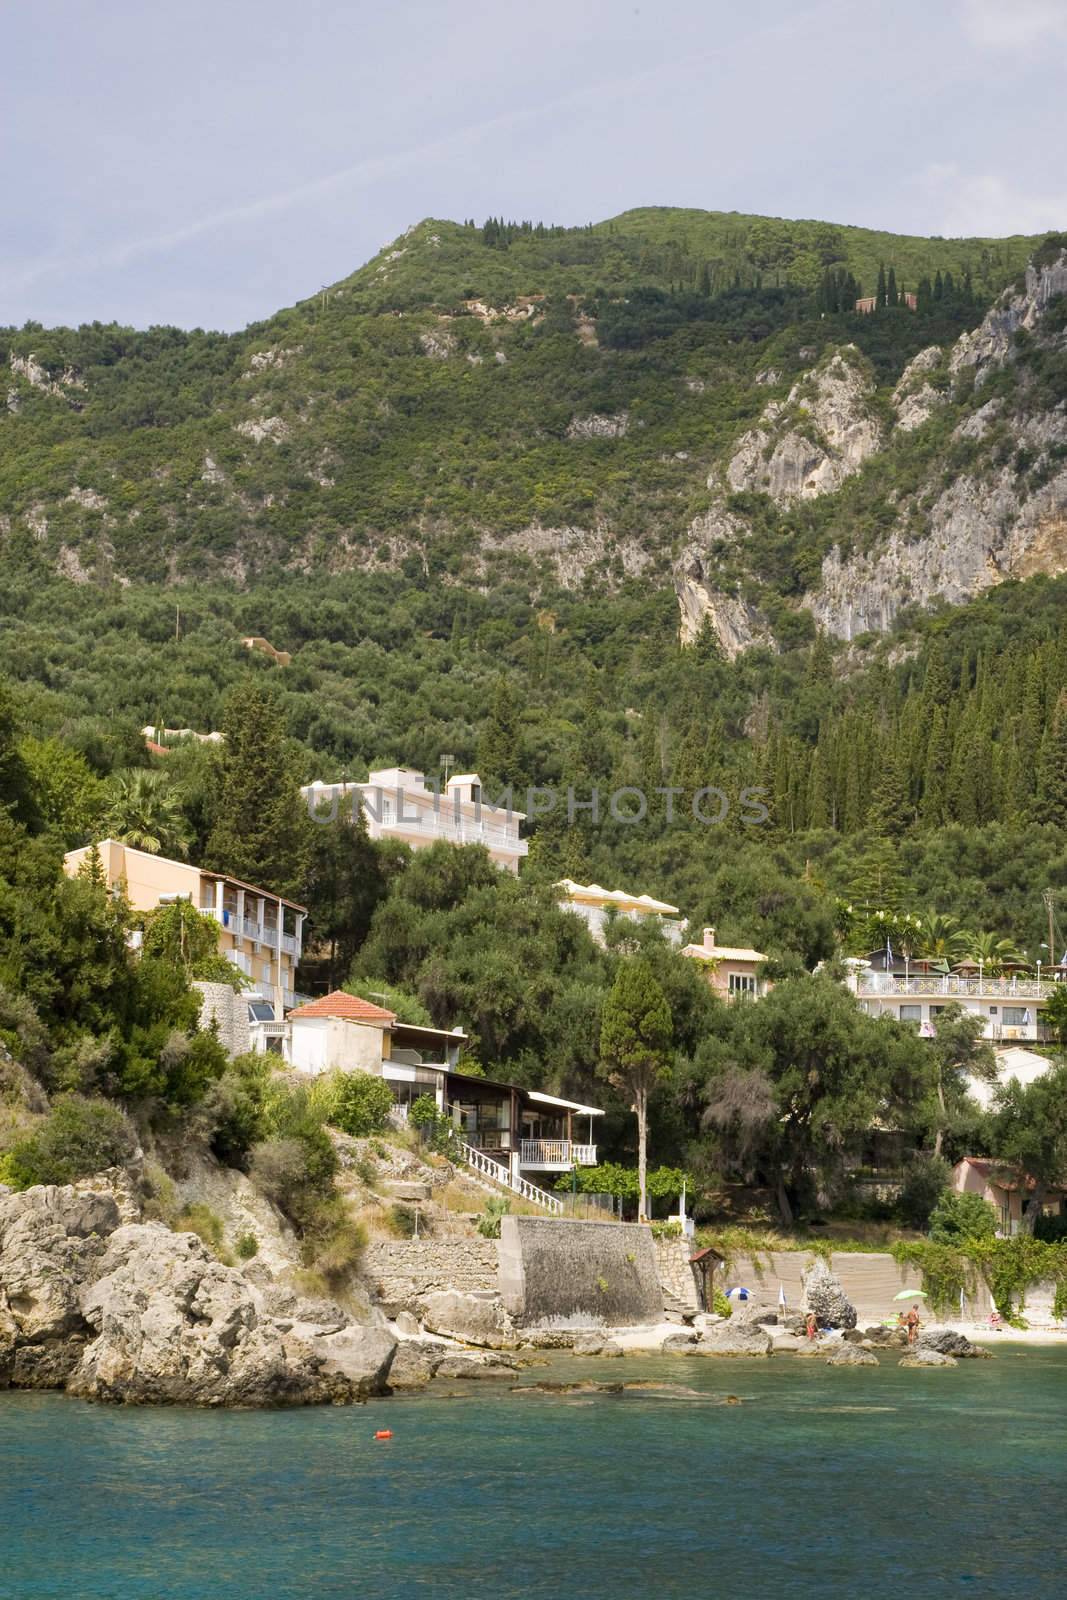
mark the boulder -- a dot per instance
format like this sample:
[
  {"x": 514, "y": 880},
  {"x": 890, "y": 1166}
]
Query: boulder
[
  {"x": 680, "y": 1344},
  {"x": 416, "y": 1361},
  {"x": 595, "y": 1344},
  {"x": 949, "y": 1342},
  {"x": 927, "y": 1358},
  {"x": 363, "y": 1357},
  {"x": 852, "y": 1355},
  {"x": 475, "y": 1318},
  {"x": 468, "y": 1364},
  {"x": 734, "y": 1339},
  {"x": 174, "y": 1326},
  {"x": 882, "y": 1337},
  {"x": 824, "y": 1295},
  {"x": 408, "y": 1323}
]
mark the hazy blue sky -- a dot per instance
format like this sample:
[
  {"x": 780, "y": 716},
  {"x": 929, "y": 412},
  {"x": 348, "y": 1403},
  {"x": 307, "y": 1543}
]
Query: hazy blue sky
[{"x": 208, "y": 161}]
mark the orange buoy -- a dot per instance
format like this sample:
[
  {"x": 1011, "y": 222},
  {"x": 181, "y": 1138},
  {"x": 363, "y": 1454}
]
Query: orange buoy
[{"x": 384, "y": 1433}]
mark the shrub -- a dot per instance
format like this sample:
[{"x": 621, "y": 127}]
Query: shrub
[
  {"x": 79, "y": 1137},
  {"x": 246, "y": 1246},
  {"x": 488, "y": 1223},
  {"x": 925, "y": 1181},
  {"x": 402, "y": 1218},
  {"x": 235, "y": 1107},
  {"x": 960, "y": 1217},
  {"x": 207, "y": 1225},
  {"x": 356, "y": 1102},
  {"x": 423, "y": 1111}
]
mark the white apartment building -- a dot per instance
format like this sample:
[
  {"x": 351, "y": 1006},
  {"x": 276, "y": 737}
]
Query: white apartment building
[
  {"x": 398, "y": 804},
  {"x": 1010, "y": 1008}
]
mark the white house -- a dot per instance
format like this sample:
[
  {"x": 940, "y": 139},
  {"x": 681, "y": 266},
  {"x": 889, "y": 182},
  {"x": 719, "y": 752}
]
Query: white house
[
  {"x": 596, "y": 906},
  {"x": 398, "y": 804},
  {"x": 1010, "y": 1008}
]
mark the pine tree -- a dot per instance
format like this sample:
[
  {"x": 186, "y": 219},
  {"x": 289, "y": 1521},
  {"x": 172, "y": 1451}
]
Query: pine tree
[
  {"x": 260, "y": 831},
  {"x": 935, "y": 772},
  {"x": 1051, "y": 804},
  {"x": 500, "y": 753}
]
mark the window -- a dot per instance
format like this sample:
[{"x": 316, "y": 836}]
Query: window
[
  {"x": 741, "y": 983},
  {"x": 1016, "y": 1016},
  {"x": 911, "y": 1014}
]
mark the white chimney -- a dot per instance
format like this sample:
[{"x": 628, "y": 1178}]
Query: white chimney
[{"x": 709, "y": 938}]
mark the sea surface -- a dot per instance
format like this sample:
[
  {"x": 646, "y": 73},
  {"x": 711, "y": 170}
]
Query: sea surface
[{"x": 823, "y": 1483}]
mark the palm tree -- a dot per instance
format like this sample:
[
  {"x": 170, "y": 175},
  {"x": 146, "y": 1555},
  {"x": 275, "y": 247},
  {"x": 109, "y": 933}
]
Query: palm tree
[
  {"x": 145, "y": 812},
  {"x": 941, "y": 938},
  {"x": 991, "y": 953}
]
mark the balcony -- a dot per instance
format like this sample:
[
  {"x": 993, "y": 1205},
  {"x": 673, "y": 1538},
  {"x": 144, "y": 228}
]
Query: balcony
[
  {"x": 557, "y": 1155},
  {"x": 954, "y": 987},
  {"x": 431, "y": 825}
]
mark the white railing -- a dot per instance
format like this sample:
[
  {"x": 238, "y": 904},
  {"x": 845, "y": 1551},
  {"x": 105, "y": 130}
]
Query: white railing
[
  {"x": 951, "y": 984},
  {"x": 556, "y": 1153},
  {"x": 440, "y": 826},
  {"x": 289, "y": 943},
  {"x": 486, "y": 1167}
]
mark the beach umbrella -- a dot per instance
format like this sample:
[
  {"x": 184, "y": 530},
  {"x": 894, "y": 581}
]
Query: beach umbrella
[
  {"x": 781, "y": 1297},
  {"x": 737, "y": 1293},
  {"x": 911, "y": 1294}
]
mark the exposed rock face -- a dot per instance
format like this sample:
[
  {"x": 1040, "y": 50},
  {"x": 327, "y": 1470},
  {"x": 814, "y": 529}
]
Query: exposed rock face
[
  {"x": 824, "y": 1295},
  {"x": 991, "y": 343},
  {"x": 914, "y": 399},
  {"x": 738, "y": 625},
  {"x": 132, "y": 1312},
  {"x": 599, "y": 427},
  {"x": 477, "y": 1318},
  {"x": 927, "y": 1358},
  {"x": 809, "y": 444},
  {"x": 416, "y": 1361}
]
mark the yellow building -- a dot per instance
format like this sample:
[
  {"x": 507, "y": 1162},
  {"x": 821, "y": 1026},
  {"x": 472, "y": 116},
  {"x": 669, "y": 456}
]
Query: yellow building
[
  {"x": 260, "y": 932},
  {"x": 731, "y": 970},
  {"x": 596, "y": 906}
]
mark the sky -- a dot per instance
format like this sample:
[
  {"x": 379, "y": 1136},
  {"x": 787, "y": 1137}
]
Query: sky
[{"x": 208, "y": 162}]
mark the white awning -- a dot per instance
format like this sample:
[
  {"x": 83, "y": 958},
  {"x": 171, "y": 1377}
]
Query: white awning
[{"x": 568, "y": 1105}]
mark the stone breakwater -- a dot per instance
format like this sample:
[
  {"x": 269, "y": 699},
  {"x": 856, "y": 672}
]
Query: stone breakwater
[{"x": 131, "y": 1312}]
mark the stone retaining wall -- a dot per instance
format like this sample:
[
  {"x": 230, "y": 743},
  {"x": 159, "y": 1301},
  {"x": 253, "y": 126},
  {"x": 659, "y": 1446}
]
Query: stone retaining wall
[
  {"x": 559, "y": 1270},
  {"x": 398, "y": 1271},
  {"x": 221, "y": 1005},
  {"x": 675, "y": 1273}
]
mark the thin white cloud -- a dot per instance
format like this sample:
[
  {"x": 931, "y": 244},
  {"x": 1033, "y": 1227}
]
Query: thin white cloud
[
  {"x": 1014, "y": 24},
  {"x": 362, "y": 174},
  {"x": 987, "y": 205}
]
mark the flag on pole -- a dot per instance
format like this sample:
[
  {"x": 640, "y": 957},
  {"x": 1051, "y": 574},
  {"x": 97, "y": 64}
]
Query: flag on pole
[{"x": 781, "y": 1297}]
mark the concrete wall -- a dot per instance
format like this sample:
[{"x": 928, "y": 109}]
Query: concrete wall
[
  {"x": 229, "y": 1012},
  {"x": 319, "y": 1043},
  {"x": 398, "y": 1271},
  {"x": 559, "y": 1269},
  {"x": 870, "y": 1280}
]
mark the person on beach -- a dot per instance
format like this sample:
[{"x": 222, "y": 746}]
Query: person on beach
[
  {"x": 912, "y": 1324},
  {"x": 810, "y": 1327}
]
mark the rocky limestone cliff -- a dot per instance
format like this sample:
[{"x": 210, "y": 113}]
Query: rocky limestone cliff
[
  {"x": 135, "y": 1313},
  {"x": 1005, "y": 517},
  {"x": 820, "y": 435}
]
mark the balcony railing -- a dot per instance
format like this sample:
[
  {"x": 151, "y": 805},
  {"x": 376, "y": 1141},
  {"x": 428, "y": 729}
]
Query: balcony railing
[
  {"x": 953, "y": 986},
  {"x": 561, "y": 1153},
  {"x": 439, "y": 826}
]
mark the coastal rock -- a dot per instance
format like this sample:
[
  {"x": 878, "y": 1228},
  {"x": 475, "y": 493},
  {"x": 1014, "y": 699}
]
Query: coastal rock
[
  {"x": 363, "y": 1357},
  {"x": 879, "y": 1335},
  {"x": 51, "y": 1240},
  {"x": 927, "y": 1358},
  {"x": 949, "y": 1342},
  {"x": 824, "y": 1295},
  {"x": 680, "y": 1344},
  {"x": 734, "y": 1339},
  {"x": 852, "y": 1355},
  {"x": 594, "y": 1344},
  {"x": 475, "y": 1318},
  {"x": 173, "y": 1326},
  {"x": 416, "y": 1361},
  {"x": 469, "y": 1365}
]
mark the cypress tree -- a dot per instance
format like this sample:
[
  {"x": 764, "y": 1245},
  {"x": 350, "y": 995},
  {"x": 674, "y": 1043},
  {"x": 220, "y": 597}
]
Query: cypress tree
[
  {"x": 1051, "y": 805},
  {"x": 880, "y": 292},
  {"x": 892, "y": 298}
]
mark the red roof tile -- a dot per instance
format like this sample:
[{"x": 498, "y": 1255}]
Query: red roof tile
[{"x": 347, "y": 1006}]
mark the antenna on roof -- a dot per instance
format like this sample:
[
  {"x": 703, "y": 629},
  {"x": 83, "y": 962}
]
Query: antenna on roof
[{"x": 447, "y": 763}]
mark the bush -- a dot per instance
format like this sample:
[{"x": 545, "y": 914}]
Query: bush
[
  {"x": 958, "y": 1218},
  {"x": 207, "y": 1225},
  {"x": 246, "y": 1246},
  {"x": 79, "y": 1137},
  {"x": 235, "y": 1107},
  {"x": 402, "y": 1218},
  {"x": 423, "y": 1111},
  {"x": 925, "y": 1181},
  {"x": 488, "y": 1223},
  {"x": 356, "y": 1102}
]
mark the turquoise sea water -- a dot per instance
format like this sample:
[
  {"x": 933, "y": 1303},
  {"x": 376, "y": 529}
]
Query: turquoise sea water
[{"x": 825, "y": 1483}]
